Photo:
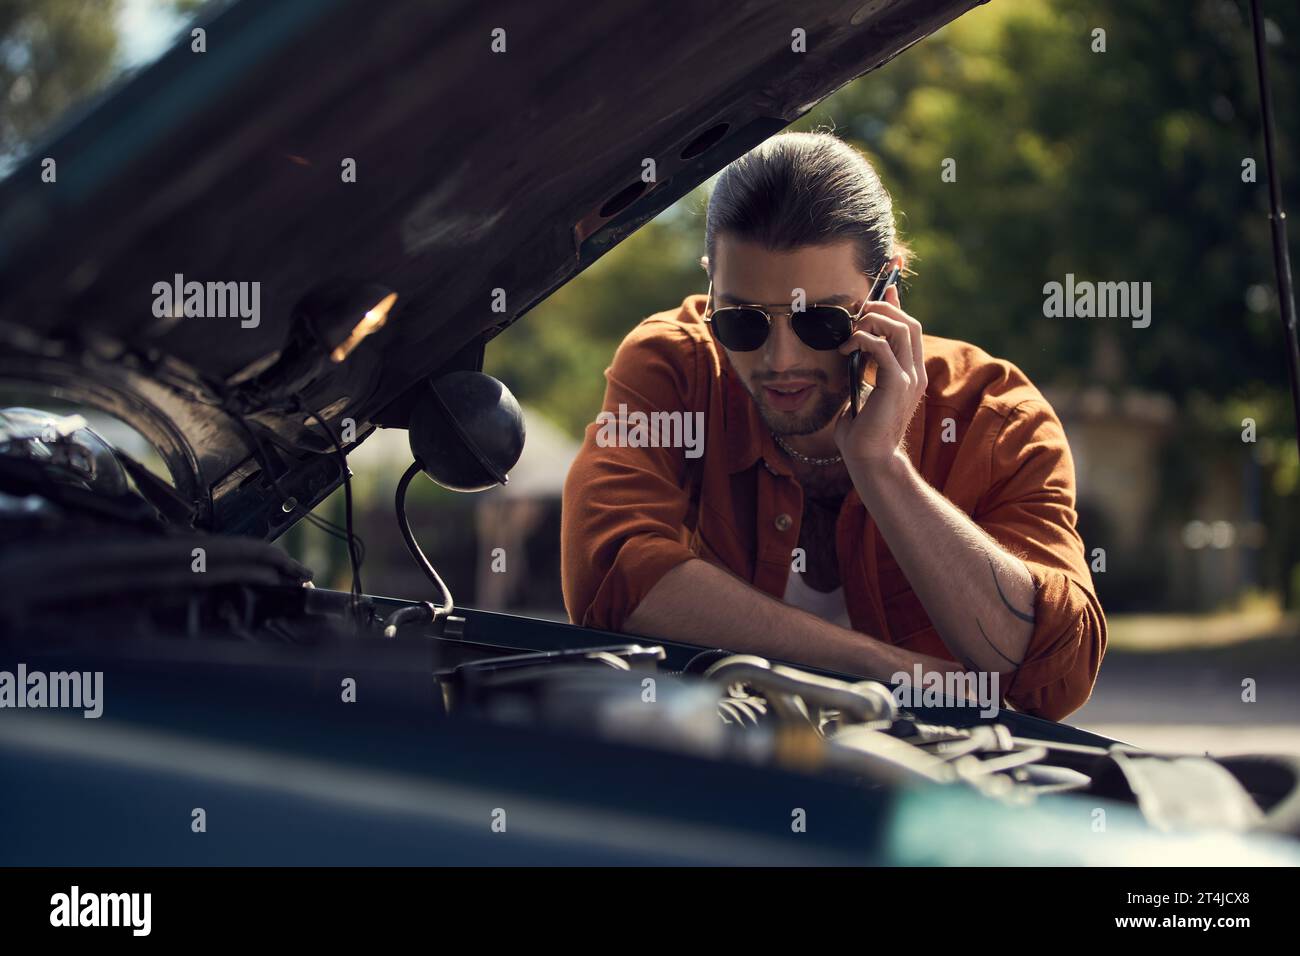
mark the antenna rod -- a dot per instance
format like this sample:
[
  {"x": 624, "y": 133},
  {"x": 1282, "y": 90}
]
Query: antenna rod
[{"x": 1277, "y": 220}]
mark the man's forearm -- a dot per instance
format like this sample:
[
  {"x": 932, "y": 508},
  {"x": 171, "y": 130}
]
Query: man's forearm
[
  {"x": 699, "y": 603},
  {"x": 980, "y": 598}
]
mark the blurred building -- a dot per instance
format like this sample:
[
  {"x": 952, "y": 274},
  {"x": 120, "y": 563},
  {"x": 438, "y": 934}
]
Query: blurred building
[
  {"x": 518, "y": 526},
  {"x": 1171, "y": 541}
]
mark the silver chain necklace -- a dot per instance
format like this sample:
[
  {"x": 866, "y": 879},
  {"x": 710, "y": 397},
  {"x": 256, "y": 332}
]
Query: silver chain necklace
[{"x": 807, "y": 460}]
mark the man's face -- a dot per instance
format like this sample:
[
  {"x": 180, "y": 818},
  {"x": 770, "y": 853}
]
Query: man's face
[{"x": 798, "y": 390}]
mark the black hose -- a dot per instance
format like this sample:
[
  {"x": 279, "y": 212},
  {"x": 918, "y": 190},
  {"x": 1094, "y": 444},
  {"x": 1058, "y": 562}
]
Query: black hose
[
  {"x": 424, "y": 613},
  {"x": 411, "y": 545},
  {"x": 354, "y": 558}
]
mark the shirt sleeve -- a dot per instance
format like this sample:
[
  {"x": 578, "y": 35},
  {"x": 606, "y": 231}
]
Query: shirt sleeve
[
  {"x": 624, "y": 513},
  {"x": 1030, "y": 510}
]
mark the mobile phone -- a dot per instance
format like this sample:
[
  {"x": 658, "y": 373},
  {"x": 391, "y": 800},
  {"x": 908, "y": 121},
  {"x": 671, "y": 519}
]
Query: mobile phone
[{"x": 856, "y": 359}]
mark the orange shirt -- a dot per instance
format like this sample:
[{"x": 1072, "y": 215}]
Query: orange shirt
[{"x": 631, "y": 514}]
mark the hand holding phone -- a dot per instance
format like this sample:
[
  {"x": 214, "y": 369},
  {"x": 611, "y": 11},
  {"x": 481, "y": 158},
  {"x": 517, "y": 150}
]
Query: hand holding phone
[{"x": 882, "y": 284}]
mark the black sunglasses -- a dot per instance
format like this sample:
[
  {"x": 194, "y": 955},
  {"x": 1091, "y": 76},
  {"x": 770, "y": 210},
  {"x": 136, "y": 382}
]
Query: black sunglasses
[{"x": 744, "y": 328}]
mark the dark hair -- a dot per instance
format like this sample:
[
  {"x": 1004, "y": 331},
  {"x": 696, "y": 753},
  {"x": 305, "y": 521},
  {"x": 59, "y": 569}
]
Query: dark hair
[{"x": 804, "y": 189}]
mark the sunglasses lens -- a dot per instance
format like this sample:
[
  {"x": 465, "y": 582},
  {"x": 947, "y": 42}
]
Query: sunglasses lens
[
  {"x": 822, "y": 327},
  {"x": 741, "y": 330}
]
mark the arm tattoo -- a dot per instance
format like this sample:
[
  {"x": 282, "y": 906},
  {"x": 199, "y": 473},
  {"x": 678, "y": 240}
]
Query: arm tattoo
[
  {"x": 1027, "y": 618},
  {"x": 994, "y": 646}
]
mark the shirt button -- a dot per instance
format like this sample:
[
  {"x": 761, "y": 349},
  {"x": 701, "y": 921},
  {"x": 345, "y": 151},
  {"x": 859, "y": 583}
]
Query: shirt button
[{"x": 783, "y": 522}]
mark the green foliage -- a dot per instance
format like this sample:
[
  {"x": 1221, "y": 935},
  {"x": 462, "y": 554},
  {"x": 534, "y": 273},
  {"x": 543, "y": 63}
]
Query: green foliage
[{"x": 52, "y": 53}]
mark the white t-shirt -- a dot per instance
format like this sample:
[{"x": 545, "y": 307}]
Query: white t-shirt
[{"x": 828, "y": 605}]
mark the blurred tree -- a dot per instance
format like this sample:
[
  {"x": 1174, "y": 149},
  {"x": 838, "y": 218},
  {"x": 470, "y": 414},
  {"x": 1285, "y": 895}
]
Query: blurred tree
[
  {"x": 1123, "y": 165},
  {"x": 52, "y": 53}
]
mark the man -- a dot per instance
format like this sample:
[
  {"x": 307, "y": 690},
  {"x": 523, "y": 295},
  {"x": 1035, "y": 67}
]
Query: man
[{"x": 937, "y": 527}]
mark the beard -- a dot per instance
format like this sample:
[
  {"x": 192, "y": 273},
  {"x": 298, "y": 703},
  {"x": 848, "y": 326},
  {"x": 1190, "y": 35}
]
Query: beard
[{"x": 824, "y": 405}]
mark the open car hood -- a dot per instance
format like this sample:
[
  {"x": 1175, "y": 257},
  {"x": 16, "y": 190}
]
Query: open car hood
[{"x": 475, "y": 171}]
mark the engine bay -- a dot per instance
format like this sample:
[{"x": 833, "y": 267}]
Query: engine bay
[{"x": 145, "y": 625}]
